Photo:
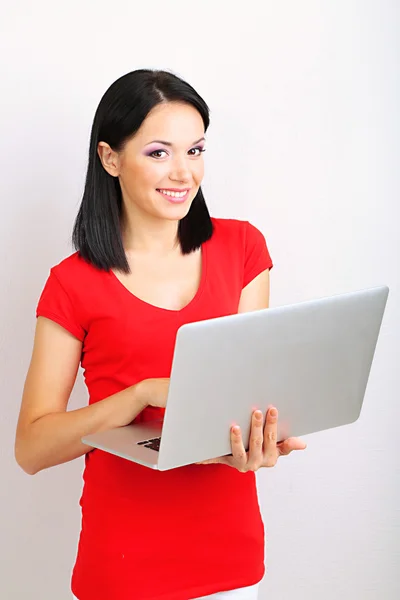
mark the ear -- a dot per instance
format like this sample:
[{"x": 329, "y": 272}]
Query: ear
[{"x": 109, "y": 158}]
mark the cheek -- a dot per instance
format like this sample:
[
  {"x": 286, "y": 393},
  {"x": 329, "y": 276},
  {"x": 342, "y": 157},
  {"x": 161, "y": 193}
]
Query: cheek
[
  {"x": 198, "y": 171},
  {"x": 143, "y": 173},
  {"x": 152, "y": 173}
]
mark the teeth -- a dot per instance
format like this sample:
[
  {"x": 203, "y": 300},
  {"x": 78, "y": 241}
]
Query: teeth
[{"x": 173, "y": 194}]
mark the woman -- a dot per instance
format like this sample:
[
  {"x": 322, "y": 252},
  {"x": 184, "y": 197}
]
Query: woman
[{"x": 149, "y": 258}]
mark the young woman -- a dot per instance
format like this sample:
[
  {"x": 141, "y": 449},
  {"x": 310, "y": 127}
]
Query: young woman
[{"x": 149, "y": 258}]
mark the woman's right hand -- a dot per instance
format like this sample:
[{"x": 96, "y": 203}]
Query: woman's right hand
[
  {"x": 47, "y": 433},
  {"x": 153, "y": 392}
]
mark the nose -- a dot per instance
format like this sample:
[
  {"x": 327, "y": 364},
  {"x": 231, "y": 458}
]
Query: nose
[{"x": 180, "y": 170}]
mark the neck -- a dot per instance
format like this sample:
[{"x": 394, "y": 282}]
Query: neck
[{"x": 146, "y": 233}]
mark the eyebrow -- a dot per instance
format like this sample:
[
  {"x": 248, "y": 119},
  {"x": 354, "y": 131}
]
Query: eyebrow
[{"x": 169, "y": 143}]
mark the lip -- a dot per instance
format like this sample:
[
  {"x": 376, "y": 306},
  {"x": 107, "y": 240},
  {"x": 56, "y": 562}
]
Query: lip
[
  {"x": 175, "y": 200},
  {"x": 174, "y": 189}
]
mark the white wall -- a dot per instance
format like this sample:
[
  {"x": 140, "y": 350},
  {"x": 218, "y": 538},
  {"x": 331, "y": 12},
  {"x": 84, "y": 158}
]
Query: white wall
[{"x": 303, "y": 142}]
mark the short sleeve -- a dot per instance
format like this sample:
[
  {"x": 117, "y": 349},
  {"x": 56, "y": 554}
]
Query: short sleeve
[
  {"x": 257, "y": 258},
  {"x": 55, "y": 304}
]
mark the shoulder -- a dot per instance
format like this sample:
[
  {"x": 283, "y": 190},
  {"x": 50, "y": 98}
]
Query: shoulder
[
  {"x": 226, "y": 230},
  {"x": 242, "y": 244},
  {"x": 71, "y": 286},
  {"x": 227, "y": 226},
  {"x": 74, "y": 270},
  {"x": 75, "y": 278},
  {"x": 73, "y": 262},
  {"x": 237, "y": 231}
]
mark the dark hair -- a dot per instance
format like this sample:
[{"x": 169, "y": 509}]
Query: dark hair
[{"x": 121, "y": 111}]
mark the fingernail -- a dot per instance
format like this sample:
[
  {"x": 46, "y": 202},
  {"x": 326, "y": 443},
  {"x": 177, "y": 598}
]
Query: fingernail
[
  {"x": 273, "y": 412},
  {"x": 258, "y": 415},
  {"x": 236, "y": 430}
]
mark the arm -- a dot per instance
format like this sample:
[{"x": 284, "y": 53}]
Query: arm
[
  {"x": 255, "y": 296},
  {"x": 47, "y": 434}
]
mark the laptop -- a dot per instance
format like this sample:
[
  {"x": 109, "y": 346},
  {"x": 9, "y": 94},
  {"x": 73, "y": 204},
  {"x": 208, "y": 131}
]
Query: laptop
[{"x": 311, "y": 360}]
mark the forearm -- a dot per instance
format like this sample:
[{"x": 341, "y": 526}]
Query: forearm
[{"x": 56, "y": 438}]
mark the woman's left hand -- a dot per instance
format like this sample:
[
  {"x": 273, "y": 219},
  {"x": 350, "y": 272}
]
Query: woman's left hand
[{"x": 264, "y": 450}]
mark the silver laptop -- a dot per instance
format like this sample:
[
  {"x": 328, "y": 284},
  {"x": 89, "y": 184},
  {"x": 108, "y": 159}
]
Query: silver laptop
[{"x": 311, "y": 360}]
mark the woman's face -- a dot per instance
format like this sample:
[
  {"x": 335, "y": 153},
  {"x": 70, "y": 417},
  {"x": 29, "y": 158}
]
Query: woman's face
[{"x": 164, "y": 154}]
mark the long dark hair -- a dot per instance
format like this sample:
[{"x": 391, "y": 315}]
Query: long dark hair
[{"x": 121, "y": 111}]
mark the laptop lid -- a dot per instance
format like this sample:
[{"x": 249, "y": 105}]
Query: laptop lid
[{"x": 311, "y": 360}]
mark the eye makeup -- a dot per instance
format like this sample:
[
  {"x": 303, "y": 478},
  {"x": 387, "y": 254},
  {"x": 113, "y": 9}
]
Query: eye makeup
[{"x": 154, "y": 148}]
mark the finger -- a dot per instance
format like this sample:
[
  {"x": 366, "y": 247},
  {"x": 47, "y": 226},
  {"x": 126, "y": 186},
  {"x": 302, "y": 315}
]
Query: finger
[
  {"x": 287, "y": 446},
  {"x": 239, "y": 454},
  {"x": 255, "y": 458},
  {"x": 210, "y": 461},
  {"x": 271, "y": 428},
  {"x": 270, "y": 437}
]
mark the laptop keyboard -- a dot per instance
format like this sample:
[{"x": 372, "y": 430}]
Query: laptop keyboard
[{"x": 153, "y": 444}]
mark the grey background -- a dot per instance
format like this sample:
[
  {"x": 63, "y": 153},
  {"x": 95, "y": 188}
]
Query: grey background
[{"x": 304, "y": 143}]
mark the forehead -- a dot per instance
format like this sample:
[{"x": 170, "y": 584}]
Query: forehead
[{"x": 173, "y": 122}]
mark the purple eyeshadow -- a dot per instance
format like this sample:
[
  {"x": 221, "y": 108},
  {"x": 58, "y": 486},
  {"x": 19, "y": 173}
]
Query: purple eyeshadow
[
  {"x": 156, "y": 148},
  {"x": 153, "y": 149}
]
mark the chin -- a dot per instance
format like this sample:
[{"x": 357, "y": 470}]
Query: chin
[{"x": 176, "y": 213}]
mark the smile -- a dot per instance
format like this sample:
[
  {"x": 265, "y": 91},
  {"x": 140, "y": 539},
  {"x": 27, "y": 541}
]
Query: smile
[{"x": 174, "y": 196}]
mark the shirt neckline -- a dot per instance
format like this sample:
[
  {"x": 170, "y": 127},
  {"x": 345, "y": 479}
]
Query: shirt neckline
[{"x": 194, "y": 300}]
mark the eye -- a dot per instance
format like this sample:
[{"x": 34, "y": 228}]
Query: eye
[
  {"x": 199, "y": 148},
  {"x": 156, "y": 152}
]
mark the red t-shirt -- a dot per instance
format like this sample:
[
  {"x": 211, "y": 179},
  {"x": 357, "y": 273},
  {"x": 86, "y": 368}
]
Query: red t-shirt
[{"x": 150, "y": 535}]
